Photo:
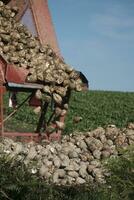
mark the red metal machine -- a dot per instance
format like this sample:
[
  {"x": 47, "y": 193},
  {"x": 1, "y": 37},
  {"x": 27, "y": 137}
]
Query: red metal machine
[
  {"x": 41, "y": 19},
  {"x": 14, "y": 79}
]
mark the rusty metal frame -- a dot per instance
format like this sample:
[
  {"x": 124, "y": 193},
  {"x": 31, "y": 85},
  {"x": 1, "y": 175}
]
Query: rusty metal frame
[
  {"x": 7, "y": 72},
  {"x": 2, "y": 91},
  {"x": 37, "y": 136},
  {"x": 46, "y": 34},
  {"x": 43, "y": 23},
  {"x": 22, "y": 5}
]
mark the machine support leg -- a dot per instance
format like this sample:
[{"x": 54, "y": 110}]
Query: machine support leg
[{"x": 42, "y": 117}]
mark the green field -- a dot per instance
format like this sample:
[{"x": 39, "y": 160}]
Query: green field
[{"x": 97, "y": 108}]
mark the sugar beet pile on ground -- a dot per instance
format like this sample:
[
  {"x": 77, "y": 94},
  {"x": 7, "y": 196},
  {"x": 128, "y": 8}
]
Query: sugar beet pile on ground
[
  {"x": 19, "y": 47},
  {"x": 77, "y": 159}
]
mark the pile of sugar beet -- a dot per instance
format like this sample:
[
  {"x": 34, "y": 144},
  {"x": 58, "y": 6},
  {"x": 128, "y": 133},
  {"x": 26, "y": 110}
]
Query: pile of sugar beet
[
  {"x": 19, "y": 47},
  {"x": 77, "y": 159}
]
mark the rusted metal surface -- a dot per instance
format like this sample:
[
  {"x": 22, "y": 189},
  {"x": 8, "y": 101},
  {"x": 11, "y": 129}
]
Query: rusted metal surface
[
  {"x": 21, "y": 4},
  {"x": 41, "y": 18},
  {"x": 2, "y": 78},
  {"x": 2, "y": 70},
  {"x": 43, "y": 23},
  {"x": 24, "y": 137},
  {"x": 15, "y": 74},
  {"x": 14, "y": 79},
  {"x": 27, "y": 137},
  {"x": 2, "y": 91},
  {"x": 11, "y": 73}
]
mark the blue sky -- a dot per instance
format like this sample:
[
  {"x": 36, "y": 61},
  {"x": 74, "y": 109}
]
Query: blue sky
[{"x": 97, "y": 38}]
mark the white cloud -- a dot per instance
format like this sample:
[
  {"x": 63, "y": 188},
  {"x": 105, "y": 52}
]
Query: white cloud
[
  {"x": 114, "y": 25},
  {"x": 113, "y": 21}
]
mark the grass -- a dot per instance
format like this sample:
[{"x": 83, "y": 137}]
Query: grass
[
  {"x": 97, "y": 108},
  {"x": 100, "y": 108},
  {"x": 16, "y": 183}
]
